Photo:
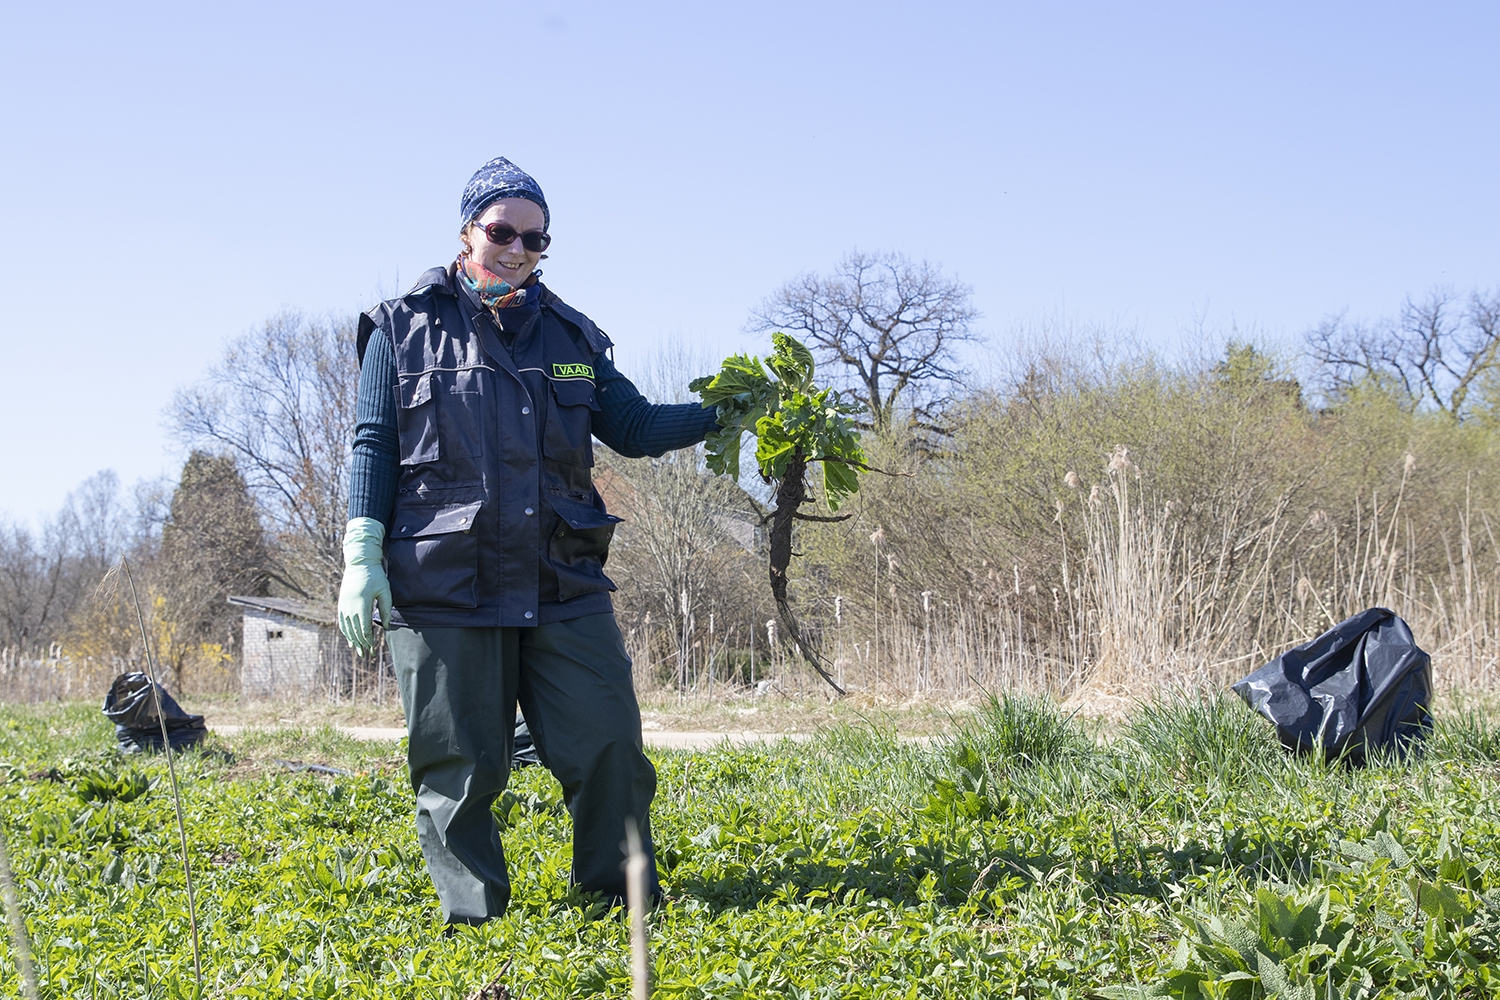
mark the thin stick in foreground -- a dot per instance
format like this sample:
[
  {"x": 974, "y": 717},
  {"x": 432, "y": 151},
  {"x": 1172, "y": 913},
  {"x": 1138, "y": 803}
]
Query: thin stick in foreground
[
  {"x": 635, "y": 894},
  {"x": 166, "y": 745},
  {"x": 20, "y": 943}
]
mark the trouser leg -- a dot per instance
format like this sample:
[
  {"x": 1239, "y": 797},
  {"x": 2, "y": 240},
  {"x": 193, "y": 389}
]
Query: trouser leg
[
  {"x": 579, "y": 700},
  {"x": 458, "y": 687}
]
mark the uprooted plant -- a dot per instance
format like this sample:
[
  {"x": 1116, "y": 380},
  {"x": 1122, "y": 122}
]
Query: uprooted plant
[{"x": 797, "y": 425}]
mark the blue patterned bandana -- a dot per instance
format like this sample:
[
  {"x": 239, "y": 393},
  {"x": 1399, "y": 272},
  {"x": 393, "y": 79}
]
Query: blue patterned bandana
[{"x": 500, "y": 178}]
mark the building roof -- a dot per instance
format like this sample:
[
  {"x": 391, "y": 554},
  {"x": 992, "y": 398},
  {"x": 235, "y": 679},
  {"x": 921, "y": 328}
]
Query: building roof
[{"x": 321, "y": 613}]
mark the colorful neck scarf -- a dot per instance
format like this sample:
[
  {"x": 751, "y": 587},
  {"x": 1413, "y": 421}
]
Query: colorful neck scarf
[{"x": 494, "y": 291}]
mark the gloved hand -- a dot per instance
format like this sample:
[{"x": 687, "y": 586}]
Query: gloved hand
[{"x": 365, "y": 583}]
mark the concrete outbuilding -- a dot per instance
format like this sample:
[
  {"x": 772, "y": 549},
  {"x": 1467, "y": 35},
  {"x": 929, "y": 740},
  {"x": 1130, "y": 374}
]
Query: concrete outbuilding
[{"x": 290, "y": 648}]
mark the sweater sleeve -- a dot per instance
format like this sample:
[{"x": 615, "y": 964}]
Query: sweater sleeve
[
  {"x": 634, "y": 427},
  {"x": 375, "y": 464}
]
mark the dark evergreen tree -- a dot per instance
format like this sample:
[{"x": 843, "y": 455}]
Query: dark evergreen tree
[{"x": 212, "y": 545}]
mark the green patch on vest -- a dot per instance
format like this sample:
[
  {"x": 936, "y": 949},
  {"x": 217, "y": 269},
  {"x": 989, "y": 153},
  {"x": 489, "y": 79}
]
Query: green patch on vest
[{"x": 572, "y": 371}]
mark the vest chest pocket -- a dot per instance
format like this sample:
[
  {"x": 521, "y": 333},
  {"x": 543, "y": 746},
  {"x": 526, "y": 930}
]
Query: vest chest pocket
[
  {"x": 433, "y": 556},
  {"x": 436, "y": 416},
  {"x": 569, "y": 435},
  {"x": 416, "y": 420}
]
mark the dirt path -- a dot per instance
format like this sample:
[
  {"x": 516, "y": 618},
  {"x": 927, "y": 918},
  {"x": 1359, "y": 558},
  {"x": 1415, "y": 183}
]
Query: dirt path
[
  {"x": 668, "y": 741},
  {"x": 668, "y": 721}
]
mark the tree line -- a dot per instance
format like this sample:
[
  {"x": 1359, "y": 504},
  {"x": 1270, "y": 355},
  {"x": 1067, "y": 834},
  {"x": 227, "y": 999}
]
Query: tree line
[{"x": 1070, "y": 511}]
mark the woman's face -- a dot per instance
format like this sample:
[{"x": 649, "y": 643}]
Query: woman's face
[{"x": 512, "y": 262}]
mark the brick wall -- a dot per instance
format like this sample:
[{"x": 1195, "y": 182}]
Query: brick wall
[{"x": 287, "y": 656}]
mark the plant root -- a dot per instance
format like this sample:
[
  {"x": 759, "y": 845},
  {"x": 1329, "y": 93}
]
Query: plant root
[
  {"x": 494, "y": 989},
  {"x": 791, "y": 493}
]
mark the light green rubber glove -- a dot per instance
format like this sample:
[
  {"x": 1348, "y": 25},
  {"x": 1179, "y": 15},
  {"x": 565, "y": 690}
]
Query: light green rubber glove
[{"x": 365, "y": 583}]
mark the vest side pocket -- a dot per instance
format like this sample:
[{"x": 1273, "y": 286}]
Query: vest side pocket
[
  {"x": 432, "y": 558},
  {"x": 416, "y": 420},
  {"x": 579, "y": 545}
]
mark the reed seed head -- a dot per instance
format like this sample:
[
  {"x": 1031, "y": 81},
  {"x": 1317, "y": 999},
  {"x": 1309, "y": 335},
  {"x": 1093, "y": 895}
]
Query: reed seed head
[
  {"x": 1072, "y": 479},
  {"x": 1120, "y": 461}
]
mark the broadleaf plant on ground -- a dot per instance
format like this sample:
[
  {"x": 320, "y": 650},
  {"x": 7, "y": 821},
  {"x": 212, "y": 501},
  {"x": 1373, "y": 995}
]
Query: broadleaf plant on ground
[
  {"x": 1019, "y": 855},
  {"x": 796, "y": 425}
]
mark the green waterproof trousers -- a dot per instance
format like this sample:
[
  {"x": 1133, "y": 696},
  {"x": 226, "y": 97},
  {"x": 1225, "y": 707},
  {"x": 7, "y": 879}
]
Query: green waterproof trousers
[{"x": 460, "y": 687}]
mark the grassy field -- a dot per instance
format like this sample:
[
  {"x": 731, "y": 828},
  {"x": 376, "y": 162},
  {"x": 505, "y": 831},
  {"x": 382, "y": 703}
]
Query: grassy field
[{"x": 1184, "y": 855}]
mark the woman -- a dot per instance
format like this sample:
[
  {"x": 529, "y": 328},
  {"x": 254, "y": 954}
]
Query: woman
[{"x": 480, "y": 394}]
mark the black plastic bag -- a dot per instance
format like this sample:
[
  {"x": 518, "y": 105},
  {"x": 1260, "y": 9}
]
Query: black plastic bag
[
  {"x": 131, "y": 707},
  {"x": 1362, "y": 686},
  {"x": 524, "y": 754}
]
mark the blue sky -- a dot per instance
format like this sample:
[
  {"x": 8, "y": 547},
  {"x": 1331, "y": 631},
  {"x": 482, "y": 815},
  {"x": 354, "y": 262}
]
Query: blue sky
[{"x": 174, "y": 174}]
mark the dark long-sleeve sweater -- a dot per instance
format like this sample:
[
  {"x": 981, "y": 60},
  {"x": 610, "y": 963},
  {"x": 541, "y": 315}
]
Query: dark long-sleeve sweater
[{"x": 626, "y": 421}]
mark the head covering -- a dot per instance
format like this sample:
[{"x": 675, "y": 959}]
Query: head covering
[{"x": 500, "y": 178}]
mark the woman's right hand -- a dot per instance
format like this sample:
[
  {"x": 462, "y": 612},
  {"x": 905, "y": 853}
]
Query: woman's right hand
[{"x": 365, "y": 584}]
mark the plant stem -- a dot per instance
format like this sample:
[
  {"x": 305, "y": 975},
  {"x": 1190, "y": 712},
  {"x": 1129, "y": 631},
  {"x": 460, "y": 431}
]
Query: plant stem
[
  {"x": 20, "y": 944},
  {"x": 166, "y": 743}
]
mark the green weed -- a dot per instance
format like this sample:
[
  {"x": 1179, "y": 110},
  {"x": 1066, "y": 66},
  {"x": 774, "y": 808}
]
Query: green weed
[{"x": 1187, "y": 857}]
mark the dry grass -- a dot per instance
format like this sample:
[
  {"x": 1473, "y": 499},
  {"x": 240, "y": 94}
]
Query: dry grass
[{"x": 1149, "y": 602}]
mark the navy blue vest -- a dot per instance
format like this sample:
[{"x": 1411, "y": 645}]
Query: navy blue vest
[{"x": 497, "y": 521}]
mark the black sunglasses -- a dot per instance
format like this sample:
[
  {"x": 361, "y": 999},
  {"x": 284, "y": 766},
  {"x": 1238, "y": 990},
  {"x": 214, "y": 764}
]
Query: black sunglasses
[{"x": 500, "y": 234}]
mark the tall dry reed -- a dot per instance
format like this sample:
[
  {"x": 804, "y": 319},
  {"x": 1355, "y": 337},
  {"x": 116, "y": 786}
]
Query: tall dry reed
[{"x": 1150, "y": 600}]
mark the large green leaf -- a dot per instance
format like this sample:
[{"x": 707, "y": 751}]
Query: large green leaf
[
  {"x": 789, "y": 416},
  {"x": 791, "y": 361},
  {"x": 839, "y": 482}
]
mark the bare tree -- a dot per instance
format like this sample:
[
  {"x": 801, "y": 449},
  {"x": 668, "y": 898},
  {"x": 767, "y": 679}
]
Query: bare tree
[
  {"x": 678, "y": 553},
  {"x": 282, "y": 403},
  {"x": 677, "y": 542},
  {"x": 893, "y": 323},
  {"x": 31, "y": 575},
  {"x": 47, "y": 574},
  {"x": 1436, "y": 352}
]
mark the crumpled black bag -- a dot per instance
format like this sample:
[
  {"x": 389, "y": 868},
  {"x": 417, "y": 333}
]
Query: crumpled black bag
[
  {"x": 524, "y": 754},
  {"x": 1363, "y": 686},
  {"x": 130, "y": 706}
]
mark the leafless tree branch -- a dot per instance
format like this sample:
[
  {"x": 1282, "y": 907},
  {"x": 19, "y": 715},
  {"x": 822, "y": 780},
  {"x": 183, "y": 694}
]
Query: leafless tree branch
[
  {"x": 1434, "y": 353},
  {"x": 892, "y": 323}
]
